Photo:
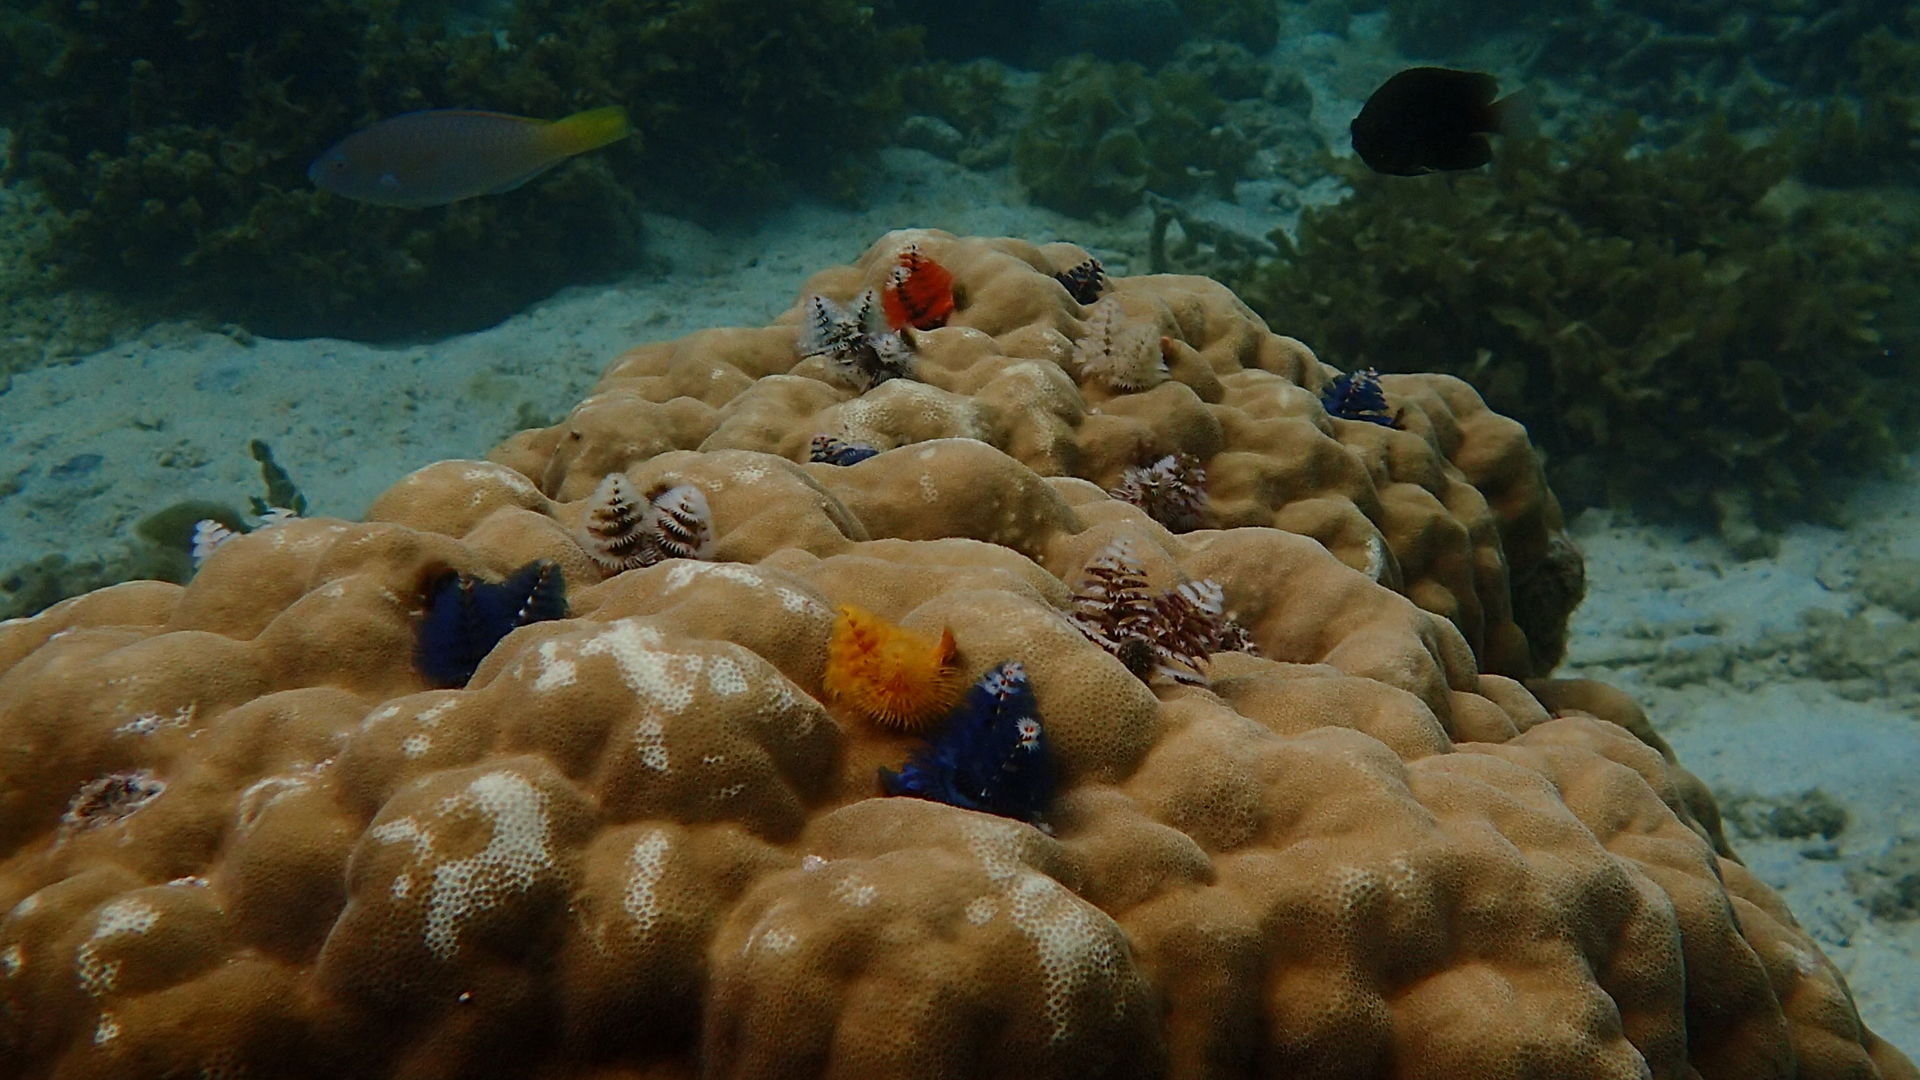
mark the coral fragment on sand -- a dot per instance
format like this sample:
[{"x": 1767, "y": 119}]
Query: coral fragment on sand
[
  {"x": 626, "y": 531},
  {"x": 919, "y": 292},
  {"x": 1171, "y": 633},
  {"x": 1119, "y": 352},
  {"x": 891, "y": 675},
  {"x": 1172, "y": 490},
  {"x": 1358, "y": 395},
  {"x": 828, "y": 450},
  {"x": 863, "y": 351},
  {"x": 463, "y": 617},
  {"x": 990, "y": 756}
]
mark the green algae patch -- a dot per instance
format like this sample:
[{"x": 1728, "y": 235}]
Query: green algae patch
[{"x": 1679, "y": 330}]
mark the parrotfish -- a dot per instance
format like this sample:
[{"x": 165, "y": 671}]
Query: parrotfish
[{"x": 442, "y": 155}]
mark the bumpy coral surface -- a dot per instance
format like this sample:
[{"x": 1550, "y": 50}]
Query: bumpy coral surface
[{"x": 240, "y": 835}]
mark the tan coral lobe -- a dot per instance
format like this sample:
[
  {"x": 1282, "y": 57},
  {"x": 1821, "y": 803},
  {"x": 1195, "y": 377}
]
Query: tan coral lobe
[{"x": 240, "y": 836}]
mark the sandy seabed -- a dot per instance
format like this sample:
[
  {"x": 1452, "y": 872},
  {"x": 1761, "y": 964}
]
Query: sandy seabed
[{"x": 89, "y": 448}]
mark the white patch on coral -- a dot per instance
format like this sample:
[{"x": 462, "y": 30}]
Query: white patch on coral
[
  {"x": 148, "y": 723},
  {"x": 555, "y": 672},
  {"x": 980, "y": 910},
  {"x": 650, "y": 738},
  {"x": 1376, "y": 557},
  {"x": 667, "y": 679},
  {"x": 127, "y": 915},
  {"x": 928, "y": 491},
  {"x": 191, "y": 881},
  {"x": 731, "y": 791},
  {"x": 726, "y": 677},
  {"x": 776, "y": 939},
  {"x": 430, "y": 716},
  {"x": 927, "y": 453},
  {"x": 1077, "y": 945},
  {"x": 379, "y": 716},
  {"x": 812, "y": 863},
  {"x": 402, "y": 886},
  {"x": 12, "y": 959},
  {"x": 516, "y": 856},
  {"x": 683, "y": 574},
  {"x": 416, "y": 744},
  {"x": 1074, "y": 945},
  {"x": 747, "y": 474},
  {"x": 646, "y": 864},
  {"x": 851, "y": 890},
  {"x": 26, "y": 907},
  {"x": 107, "y": 1030},
  {"x": 801, "y": 604},
  {"x": 334, "y": 590},
  {"x": 405, "y": 830},
  {"x": 264, "y": 793},
  {"x": 499, "y": 474}
]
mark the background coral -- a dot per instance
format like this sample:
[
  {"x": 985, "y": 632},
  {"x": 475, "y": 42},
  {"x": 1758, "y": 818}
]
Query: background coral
[
  {"x": 1674, "y": 334},
  {"x": 1099, "y": 135},
  {"x": 174, "y": 142}
]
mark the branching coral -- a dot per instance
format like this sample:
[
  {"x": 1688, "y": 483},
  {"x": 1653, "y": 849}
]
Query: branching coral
[{"x": 1670, "y": 339}]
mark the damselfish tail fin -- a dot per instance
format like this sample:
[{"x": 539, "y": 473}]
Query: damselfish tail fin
[
  {"x": 593, "y": 129},
  {"x": 1515, "y": 115}
]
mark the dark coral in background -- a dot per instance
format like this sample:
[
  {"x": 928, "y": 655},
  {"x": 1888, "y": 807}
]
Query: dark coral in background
[
  {"x": 1680, "y": 330},
  {"x": 174, "y": 139}
]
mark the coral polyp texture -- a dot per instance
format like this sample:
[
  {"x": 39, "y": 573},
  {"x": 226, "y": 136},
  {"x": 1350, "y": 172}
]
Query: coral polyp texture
[{"x": 240, "y": 834}]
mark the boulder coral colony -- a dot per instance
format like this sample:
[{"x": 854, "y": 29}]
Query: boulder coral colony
[{"x": 1365, "y": 837}]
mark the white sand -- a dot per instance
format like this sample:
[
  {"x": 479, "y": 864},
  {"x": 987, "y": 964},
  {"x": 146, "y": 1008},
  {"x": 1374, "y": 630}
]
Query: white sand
[
  {"x": 1658, "y": 595},
  {"x": 87, "y": 449}
]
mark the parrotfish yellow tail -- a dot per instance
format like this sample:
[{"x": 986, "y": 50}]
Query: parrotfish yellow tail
[
  {"x": 570, "y": 136},
  {"x": 590, "y": 130}
]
